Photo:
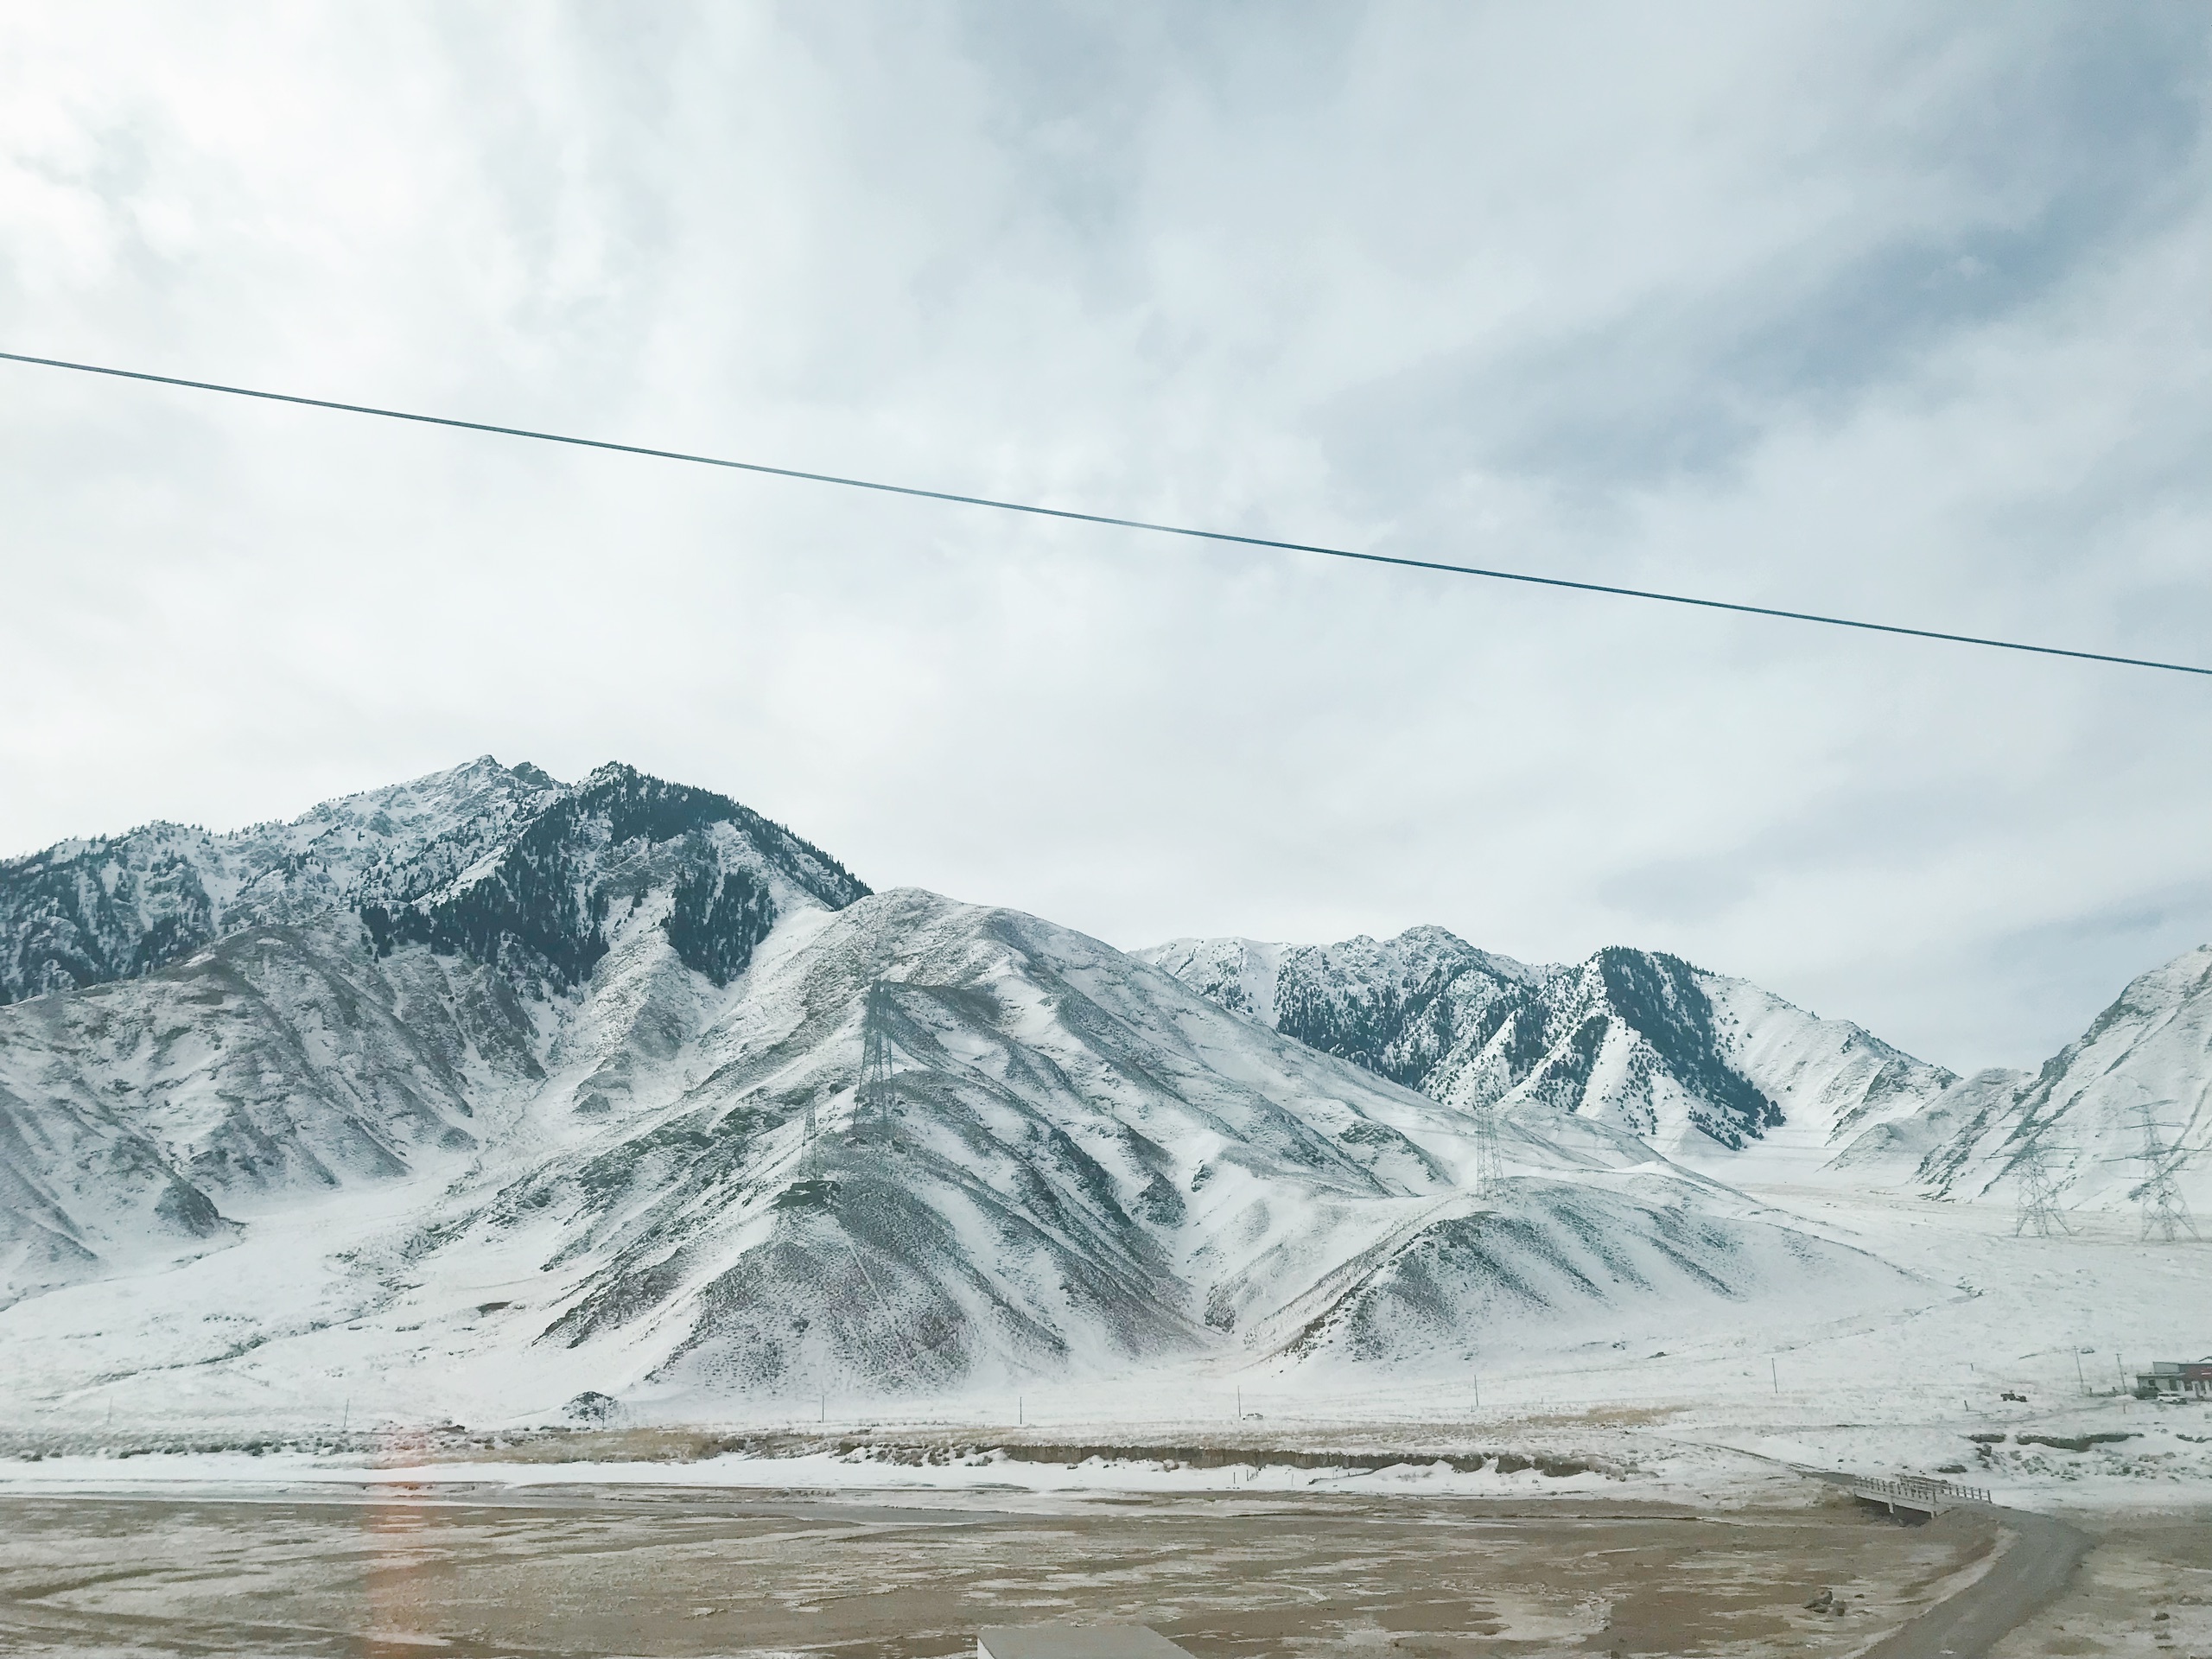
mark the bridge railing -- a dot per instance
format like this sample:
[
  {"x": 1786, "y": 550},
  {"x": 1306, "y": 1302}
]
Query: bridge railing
[{"x": 1915, "y": 1489}]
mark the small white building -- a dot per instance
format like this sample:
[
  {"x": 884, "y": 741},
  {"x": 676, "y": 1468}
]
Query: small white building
[
  {"x": 1075, "y": 1642},
  {"x": 2187, "y": 1379}
]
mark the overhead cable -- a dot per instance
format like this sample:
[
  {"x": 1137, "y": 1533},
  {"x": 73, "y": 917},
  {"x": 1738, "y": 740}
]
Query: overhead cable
[{"x": 1070, "y": 515}]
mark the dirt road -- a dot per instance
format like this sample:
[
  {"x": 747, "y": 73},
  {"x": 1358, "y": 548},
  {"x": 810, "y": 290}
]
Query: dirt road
[{"x": 2032, "y": 1571}]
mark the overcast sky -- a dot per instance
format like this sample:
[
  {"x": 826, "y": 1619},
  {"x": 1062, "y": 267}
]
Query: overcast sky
[{"x": 1898, "y": 311}]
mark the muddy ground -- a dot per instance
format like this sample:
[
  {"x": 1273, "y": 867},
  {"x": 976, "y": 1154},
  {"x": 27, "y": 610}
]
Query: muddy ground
[{"x": 599, "y": 1571}]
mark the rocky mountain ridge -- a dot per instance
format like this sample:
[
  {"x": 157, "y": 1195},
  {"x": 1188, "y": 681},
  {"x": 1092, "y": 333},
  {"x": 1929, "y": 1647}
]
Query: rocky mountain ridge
[
  {"x": 488, "y": 1091},
  {"x": 1729, "y": 1079},
  {"x": 383, "y": 970},
  {"x": 1696, "y": 1063},
  {"x": 563, "y": 1095},
  {"x": 483, "y": 861},
  {"x": 85, "y": 912}
]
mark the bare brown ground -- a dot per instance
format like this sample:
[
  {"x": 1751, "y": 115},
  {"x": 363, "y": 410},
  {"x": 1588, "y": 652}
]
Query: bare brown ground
[
  {"x": 661, "y": 1572},
  {"x": 2142, "y": 1566}
]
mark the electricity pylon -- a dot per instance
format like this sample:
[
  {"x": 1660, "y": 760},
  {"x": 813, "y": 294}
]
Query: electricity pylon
[
  {"x": 874, "y": 1103},
  {"x": 1490, "y": 1167},
  {"x": 2039, "y": 1212},
  {"x": 2165, "y": 1218}
]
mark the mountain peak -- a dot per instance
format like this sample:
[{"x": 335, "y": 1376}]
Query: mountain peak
[
  {"x": 87, "y": 912},
  {"x": 541, "y": 902}
]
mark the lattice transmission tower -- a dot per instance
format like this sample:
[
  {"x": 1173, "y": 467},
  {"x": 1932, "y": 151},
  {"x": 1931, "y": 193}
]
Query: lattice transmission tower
[
  {"x": 875, "y": 1103},
  {"x": 2165, "y": 1218},
  {"x": 2039, "y": 1212},
  {"x": 1490, "y": 1166}
]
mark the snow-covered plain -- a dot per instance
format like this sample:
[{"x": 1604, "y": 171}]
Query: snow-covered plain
[{"x": 1721, "y": 1417}]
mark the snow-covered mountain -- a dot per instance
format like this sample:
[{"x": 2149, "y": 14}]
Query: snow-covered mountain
[
  {"x": 2144, "y": 1063},
  {"x": 482, "y": 859},
  {"x": 1710, "y": 1070},
  {"x": 498, "y": 1090},
  {"x": 1730, "y": 1080},
  {"x": 306, "y": 1047},
  {"x": 85, "y": 912}
]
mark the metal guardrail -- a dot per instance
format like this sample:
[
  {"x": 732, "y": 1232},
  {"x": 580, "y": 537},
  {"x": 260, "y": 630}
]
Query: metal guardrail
[{"x": 1918, "y": 1493}]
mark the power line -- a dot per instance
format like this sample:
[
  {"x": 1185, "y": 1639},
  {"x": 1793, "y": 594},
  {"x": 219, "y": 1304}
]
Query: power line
[{"x": 1069, "y": 515}]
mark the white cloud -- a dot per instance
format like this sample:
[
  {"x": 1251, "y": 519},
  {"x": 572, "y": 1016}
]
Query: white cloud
[{"x": 1890, "y": 311}]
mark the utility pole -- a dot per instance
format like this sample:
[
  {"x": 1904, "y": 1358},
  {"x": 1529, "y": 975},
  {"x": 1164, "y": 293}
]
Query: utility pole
[{"x": 1775, "y": 1367}]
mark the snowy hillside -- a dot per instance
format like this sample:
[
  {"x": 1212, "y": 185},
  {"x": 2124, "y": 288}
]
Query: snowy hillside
[
  {"x": 2146, "y": 1057},
  {"x": 1395, "y": 1007},
  {"x": 1710, "y": 1070},
  {"x": 523, "y": 1109}
]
